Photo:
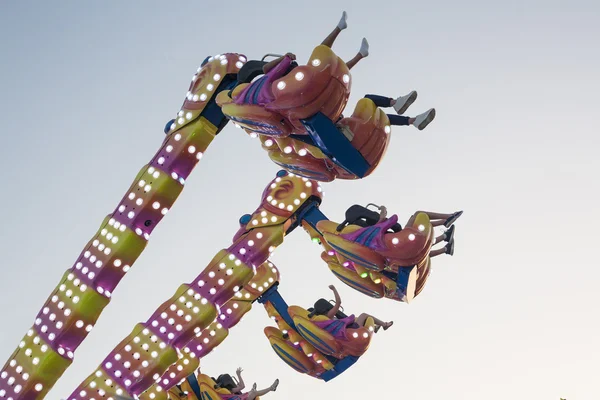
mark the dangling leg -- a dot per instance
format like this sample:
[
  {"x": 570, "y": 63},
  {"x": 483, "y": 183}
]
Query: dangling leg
[
  {"x": 256, "y": 393},
  {"x": 400, "y": 120},
  {"x": 362, "y": 53},
  {"x": 400, "y": 104},
  {"x": 422, "y": 120},
  {"x": 446, "y": 236},
  {"x": 447, "y": 249},
  {"x": 362, "y": 318},
  {"x": 336, "y": 31},
  {"x": 437, "y": 219}
]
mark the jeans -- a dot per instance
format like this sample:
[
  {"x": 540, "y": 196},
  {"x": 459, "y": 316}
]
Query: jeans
[{"x": 384, "y": 102}]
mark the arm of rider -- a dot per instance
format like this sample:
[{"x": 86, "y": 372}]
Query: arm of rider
[
  {"x": 338, "y": 303},
  {"x": 382, "y": 213},
  {"x": 272, "y": 64},
  {"x": 241, "y": 385}
]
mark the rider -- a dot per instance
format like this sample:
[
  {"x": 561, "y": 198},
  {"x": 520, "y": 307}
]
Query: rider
[
  {"x": 333, "y": 325},
  {"x": 276, "y": 69},
  {"x": 236, "y": 391},
  {"x": 436, "y": 219},
  {"x": 401, "y": 104}
]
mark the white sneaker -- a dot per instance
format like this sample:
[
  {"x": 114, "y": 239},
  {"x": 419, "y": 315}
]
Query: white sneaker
[
  {"x": 343, "y": 24},
  {"x": 403, "y": 102},
  {"x": 422, "y": 120},
  {"x": 364, "y": 48}
]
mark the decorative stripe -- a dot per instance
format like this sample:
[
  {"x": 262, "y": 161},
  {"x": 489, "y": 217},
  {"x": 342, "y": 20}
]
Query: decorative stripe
[{"x": 325, "y": 346}]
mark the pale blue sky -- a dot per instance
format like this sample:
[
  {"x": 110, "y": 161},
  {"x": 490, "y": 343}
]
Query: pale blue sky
[{"x": 85, "y": 89}]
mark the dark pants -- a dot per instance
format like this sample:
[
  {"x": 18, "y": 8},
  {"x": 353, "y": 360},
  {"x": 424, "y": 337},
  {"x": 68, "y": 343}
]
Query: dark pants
[{"x": 385, "y": 102}]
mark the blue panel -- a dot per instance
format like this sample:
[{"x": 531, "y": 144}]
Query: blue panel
[
  {"x": 402, "y": 280},
  {"x": 194, "y": 385},
  {"x": 280, "y": 305},
  {"x": 212, "y": 111},
  {"x": 335, "y": 145},
  {"x": 341, "y": 366},
  {"x": 312, "y": 215}
]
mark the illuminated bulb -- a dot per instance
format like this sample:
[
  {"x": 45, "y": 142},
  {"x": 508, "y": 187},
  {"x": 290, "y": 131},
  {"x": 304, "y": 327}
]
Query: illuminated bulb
[
  {"x": 216, "y": 77},
  {"x": 203, "y": 97},
  {"x": 188, "y": 115},
  {"x": 281, "y": 85},
  {"x": 387, "y": 129},
  {"x": 316, "y": 62},
  {"x": 411, "y": 237},
  {"x": 287, "y": 149},
  {"x": 355, "y": 335},
  {"x": 192, "y": 149},
  {"x": 346, "y": 78},
  {"x": 239, "y": 64},
  {"x": 302, "y": 152},
  {"x": 299, "y": 76},
  {"x": 268, "y": 143},
  {"x": 395, "y": 241},
  {"x": 421, "y": 228}
]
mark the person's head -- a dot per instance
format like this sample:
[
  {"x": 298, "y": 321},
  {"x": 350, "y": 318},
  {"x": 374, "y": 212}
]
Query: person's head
[
  {"x": 225, "y": 381},
  {"x": 204, "y": 62},
  {"x": 321, "y": 307}
]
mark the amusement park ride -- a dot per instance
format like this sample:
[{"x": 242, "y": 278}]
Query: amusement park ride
[{"x": 298, "y": 119}]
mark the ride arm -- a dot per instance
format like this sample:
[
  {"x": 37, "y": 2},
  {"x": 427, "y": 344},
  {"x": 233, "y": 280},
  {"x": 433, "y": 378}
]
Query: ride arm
[
  {"x": 183, "y": 327},
  {"x": 74, "y": 306}
]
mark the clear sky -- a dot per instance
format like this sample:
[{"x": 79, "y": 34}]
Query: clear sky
[{"x": 86, "y": 88}]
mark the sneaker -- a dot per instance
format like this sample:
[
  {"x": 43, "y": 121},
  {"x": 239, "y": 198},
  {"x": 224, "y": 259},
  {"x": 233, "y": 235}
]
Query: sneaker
[
  {"x": 422, "y": 120},
  {"x": 403, "y": 102},
  {"x": 364, "y": 48},
  {"x": 343, "y": 24},
  {"x": 450, "y": 248},
  {"x": 449, "y": 234},
  {"x": 452, "y": 219}
]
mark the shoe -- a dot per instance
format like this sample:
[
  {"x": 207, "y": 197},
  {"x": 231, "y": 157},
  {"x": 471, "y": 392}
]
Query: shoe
[
  {"x": 422, "y": 120},
  {"x": 449, "y": 234},
  {"x": 452, "y": 219},
  {"x": 450, "y": 248},
  {"x": 343, "y": 24},
  {"x": 364, "y": 48},
  {"x": 403, "y": 102},
  {"x": 388, "y": 325}
]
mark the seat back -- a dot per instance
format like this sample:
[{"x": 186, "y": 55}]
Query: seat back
[
  {"x": 250, "y": 70},
  {"x": 322, "y": 307}
]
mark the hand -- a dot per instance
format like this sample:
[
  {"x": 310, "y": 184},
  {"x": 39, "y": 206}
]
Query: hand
[
  {"x": 291, "y": 55},
  {"x": 239, "y": 370}
]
